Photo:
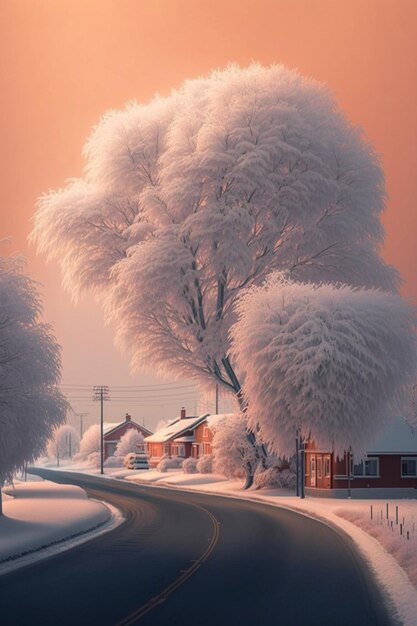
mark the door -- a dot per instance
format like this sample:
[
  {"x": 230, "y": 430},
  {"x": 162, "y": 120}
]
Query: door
[
  {"x": 313, "y": 471},
  {"x": 319, "y": 471}
]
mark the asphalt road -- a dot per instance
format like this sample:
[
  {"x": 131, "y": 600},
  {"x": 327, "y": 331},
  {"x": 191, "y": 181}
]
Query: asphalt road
[{"x": 195, "y": 560}]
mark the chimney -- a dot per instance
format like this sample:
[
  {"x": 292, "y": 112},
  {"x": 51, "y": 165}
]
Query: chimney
[
  {"x": 128, "y": 417},
  {"x": 182, "y": 413}
]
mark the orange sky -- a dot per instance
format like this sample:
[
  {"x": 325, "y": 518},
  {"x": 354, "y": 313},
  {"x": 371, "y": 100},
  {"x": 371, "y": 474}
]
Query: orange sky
[{"x": 64, "y": 62}]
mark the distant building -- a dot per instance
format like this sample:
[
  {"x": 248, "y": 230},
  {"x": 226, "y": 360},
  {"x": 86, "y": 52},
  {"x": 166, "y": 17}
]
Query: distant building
[
  {"x": 203, "y": 436},
  {"x": 113, "y": 431},
  {"x": 390, "y": 467},
  {"x": 174, "y": 439}
]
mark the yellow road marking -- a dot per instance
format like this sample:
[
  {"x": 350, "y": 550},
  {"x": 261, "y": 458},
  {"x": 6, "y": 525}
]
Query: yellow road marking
[{"x": 165, "y": 593}]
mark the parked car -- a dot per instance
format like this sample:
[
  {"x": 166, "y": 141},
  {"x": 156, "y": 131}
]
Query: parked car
[{"x": 136, "y": 460}]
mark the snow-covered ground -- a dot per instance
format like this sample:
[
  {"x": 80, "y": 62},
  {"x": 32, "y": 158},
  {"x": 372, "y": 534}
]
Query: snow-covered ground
[{"x": 42, "y": 517}]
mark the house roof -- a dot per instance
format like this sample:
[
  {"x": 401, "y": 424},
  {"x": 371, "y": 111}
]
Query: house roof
[
  {"x": 175, "y": 429},
  {"x": 108, "y": 427},
  {"x": 399, "y": 438},
  {"x": 213, "y": 420}
]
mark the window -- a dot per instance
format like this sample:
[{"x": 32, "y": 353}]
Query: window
[
  {"x": 179, "y": 450},
  {"x": 327, "y": 466},
  {"x": 408, "y": 467},
  {"x": 206, "y": 431},
  {"x": 369, "y": 467},
  {"x": 206, "y": 448}
]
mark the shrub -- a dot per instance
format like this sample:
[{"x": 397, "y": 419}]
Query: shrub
[
  {"x": 167, "y": 463},
  {"x": 205, "y": 464},
  {"x": 114, "y": 461},
  {"x": 274, "y": 477},
  {"x": 189, "y": 465}
]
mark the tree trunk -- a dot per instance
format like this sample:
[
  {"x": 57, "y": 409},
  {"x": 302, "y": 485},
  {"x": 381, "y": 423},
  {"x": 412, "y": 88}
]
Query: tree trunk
[
  {"x": 1, "y": 501},
  {"x": 260, "y": 452}
]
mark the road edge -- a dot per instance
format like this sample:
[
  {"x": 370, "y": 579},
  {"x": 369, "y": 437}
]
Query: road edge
[{"x": 13, "y": 563}]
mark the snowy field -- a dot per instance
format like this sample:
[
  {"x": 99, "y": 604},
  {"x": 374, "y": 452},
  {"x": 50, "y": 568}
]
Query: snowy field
[{"x": 40, "y": 514}]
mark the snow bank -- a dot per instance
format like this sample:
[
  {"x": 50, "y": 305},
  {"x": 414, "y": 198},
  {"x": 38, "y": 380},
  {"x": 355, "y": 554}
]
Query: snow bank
[
  {"x": 395, "y": 528},
  {"x": 42, "y": 513}
]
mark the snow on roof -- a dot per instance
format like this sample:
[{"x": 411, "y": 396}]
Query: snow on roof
[
  {"x": 109, "y": 426},
  {"x": 175, "y": 429},
  {"x": 213, "y": 420},
  {"x": 399, "y": 437}
]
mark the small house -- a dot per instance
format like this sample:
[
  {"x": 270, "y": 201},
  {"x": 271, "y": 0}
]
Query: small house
[
  {"x": 203, "y": 436},
  {"x": 389, "y": 468},
  {"x": 174, "y": 439},
  {"x": 113, "y": 431}
]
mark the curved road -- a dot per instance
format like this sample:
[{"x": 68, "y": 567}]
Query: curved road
[{"x": 184, "y": 558}]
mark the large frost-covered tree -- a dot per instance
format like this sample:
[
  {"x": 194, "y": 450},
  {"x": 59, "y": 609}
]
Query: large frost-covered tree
[
  {"x": 31, "y": 405},
  {"x": 333, "y": 362},
  {"x": 190, "y": 199},
  {"x": 64, "y": 443}
]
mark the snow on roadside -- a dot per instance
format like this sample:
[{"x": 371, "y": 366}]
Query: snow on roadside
[
  {"x": 393, "y": 524},
  {"x": 400, "y": 593},
  {"x": 42, "y": 514}
]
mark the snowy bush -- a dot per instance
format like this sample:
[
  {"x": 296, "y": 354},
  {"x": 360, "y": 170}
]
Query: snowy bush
[
  {"x": 90, "y": 442},
  {"x": 274, "y": 477},
  {"x": 205, "y": 464},
  {"x": 232, "y": 451},
  {"x": 330, "y": 361},
  {"x": 113, "y": 461},
  {"x": 131, "y": 441},
  {"x": 93, "y": 459},
  {"x": 167, "y": 463},
  {"x": 189, "y": 465}
]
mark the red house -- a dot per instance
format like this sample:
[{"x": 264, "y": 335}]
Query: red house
[
  {"x": 203, "y": 435},
  {"x": 113, "y": 431},
  {"x": 175, "y": 439},
  {"x": 389, "y": 469}
]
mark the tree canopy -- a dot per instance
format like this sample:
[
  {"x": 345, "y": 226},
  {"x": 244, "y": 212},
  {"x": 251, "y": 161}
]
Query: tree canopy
[
  {"x": 191, "y": 198},
  {"x": 334, "y": 363},
  {"x": 31, "y": 405}
]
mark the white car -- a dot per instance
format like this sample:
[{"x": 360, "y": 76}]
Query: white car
[{"x": 136, "y": 460}]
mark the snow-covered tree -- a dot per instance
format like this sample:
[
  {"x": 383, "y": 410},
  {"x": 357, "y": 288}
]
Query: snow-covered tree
[
  {"x": 90, "y": 441},
  {"x": 233, "y": 454},
  {"x": 334, "y": 362},
  {"x": 190, "y": 199},
  {"x": 64, "y": 443},
  {"x": 131, "y": 441},
  {"x": 31, "y": 405}
]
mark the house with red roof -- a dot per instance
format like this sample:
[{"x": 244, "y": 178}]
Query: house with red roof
[{"x": 113, "y": 431}]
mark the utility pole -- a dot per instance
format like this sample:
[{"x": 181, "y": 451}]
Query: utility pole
[
  {"x": 81, "y": 415},
  {"x": 217, "y": 399},
  {"x": 101, "y": 394},
  {"x": 297, "y": 465}
]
